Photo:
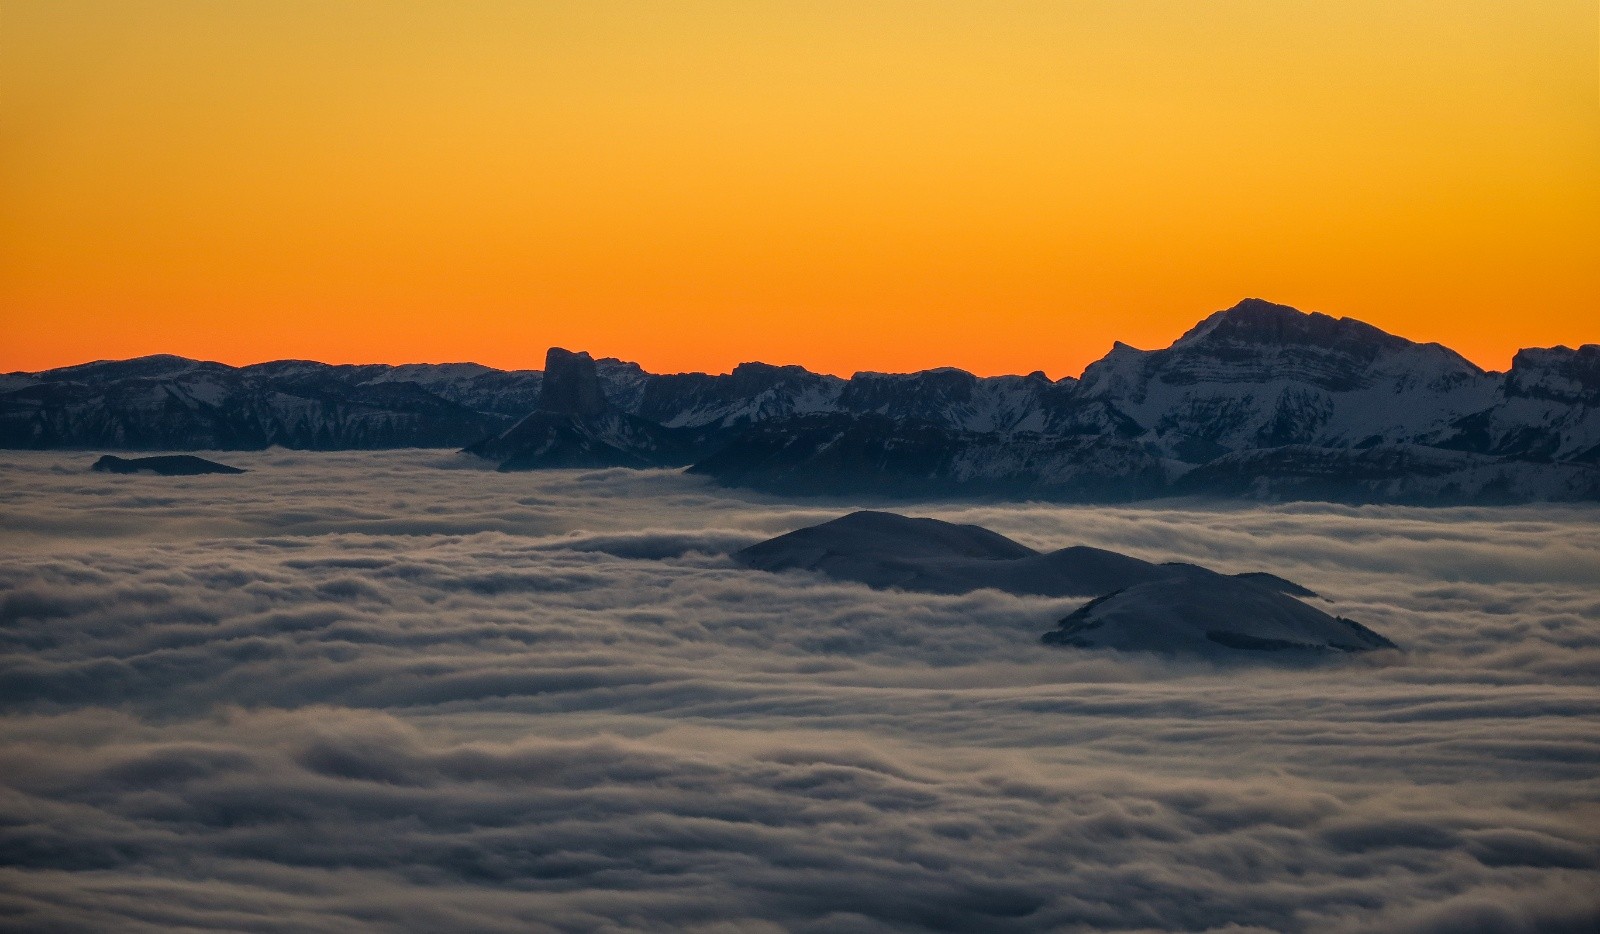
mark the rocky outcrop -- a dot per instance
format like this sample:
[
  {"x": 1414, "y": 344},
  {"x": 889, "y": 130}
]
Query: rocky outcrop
[{"x": 575, "y": 426}]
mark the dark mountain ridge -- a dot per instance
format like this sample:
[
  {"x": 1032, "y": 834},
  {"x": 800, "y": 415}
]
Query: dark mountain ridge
[{"x": 1259, "y": 400}]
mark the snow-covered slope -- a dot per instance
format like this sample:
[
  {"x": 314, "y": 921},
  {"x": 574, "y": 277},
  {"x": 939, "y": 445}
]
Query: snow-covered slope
[
  {"x": 472, "y": 385},
  {"x": 1204, "y": 613}
]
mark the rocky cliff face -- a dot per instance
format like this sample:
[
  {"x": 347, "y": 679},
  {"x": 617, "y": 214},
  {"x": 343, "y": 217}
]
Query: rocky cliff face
[
  {"x": 571, "y": 385},
  {"x": 1547, "y": 408},
  {"x": 1559, "y": 374}
]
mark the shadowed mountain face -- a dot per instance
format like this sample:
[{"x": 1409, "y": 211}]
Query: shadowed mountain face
[
  {"x": 1139, "y": 605},
  {"x": 167, "y": 465},
  {"x": 571, "y": 384},
  {"x": 1259, "y": 401},
  {"x": 873, "y": 454},
  {"x": 574, "y": 426}
]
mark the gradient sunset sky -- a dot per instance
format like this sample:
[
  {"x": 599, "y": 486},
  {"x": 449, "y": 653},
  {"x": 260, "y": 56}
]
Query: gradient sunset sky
[{"x": 1002, "y": 186}]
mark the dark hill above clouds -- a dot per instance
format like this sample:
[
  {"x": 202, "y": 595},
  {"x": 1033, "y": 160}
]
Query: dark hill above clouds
[
  {"x": 1138, "y": 605},
  {"x": 167, "y": 465},
  {"x": 884, "y": 549},
  {"x": 1259, "y": 400}
]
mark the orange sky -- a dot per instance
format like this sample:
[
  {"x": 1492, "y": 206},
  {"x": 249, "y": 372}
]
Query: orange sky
[{"x": 851, "y": 185}]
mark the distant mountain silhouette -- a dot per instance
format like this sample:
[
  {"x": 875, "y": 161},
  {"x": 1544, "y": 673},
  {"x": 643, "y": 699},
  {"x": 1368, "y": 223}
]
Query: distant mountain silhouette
[
  {"x": 1259, "y": 401},
  {"x": 1138, "y": 605}
]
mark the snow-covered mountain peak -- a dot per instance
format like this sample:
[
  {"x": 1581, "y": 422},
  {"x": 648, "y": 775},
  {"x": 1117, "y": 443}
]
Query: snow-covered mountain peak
[
  {"x": 1261, "y": 374},
  {"x": 1121, "y": 372}
]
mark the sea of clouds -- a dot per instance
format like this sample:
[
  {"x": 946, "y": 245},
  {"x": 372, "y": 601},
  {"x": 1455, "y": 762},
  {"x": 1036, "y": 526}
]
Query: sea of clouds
[{"x": 398, "y": 691}]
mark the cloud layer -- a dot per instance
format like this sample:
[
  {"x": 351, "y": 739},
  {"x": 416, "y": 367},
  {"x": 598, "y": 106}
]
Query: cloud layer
[{"x": 390, "y": 690}]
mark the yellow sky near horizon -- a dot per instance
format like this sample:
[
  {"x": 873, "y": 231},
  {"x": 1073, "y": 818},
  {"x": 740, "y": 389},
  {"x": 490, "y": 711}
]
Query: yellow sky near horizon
[{"x": 846, "y": 185}]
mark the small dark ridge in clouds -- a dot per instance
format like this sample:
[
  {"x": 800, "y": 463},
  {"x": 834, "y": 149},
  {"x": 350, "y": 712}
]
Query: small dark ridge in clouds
[{"x": 357, "y": 691}]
